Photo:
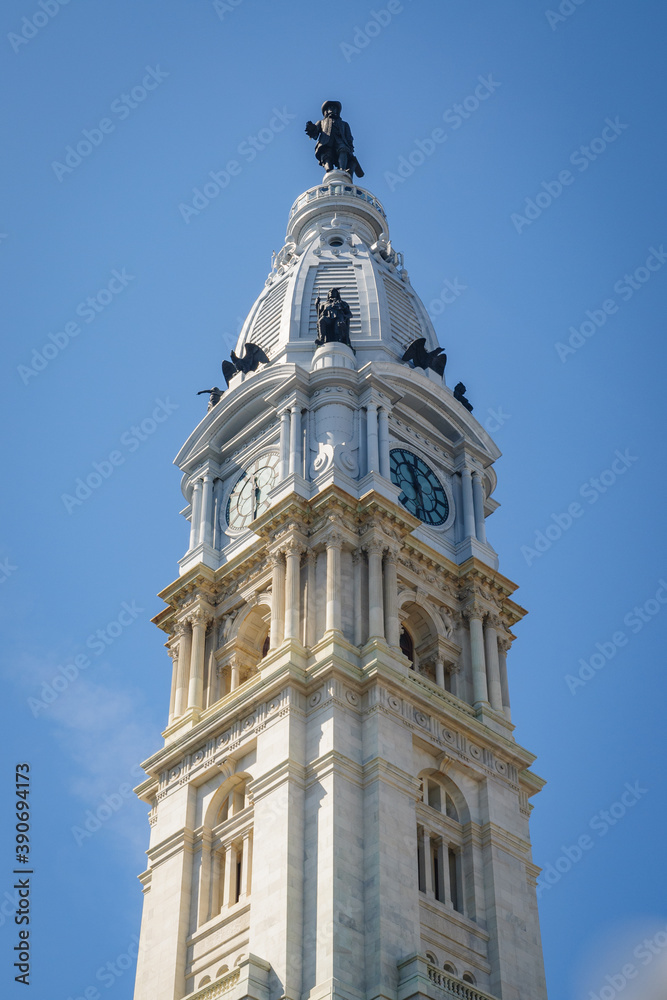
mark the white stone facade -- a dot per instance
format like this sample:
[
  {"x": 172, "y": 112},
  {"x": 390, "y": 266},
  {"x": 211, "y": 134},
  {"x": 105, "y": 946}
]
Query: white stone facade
[{"x": 340, "y": 807}]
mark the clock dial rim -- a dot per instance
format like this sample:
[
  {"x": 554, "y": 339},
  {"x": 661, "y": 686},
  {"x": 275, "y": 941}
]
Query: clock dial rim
[
  {"x": 231, "y": 520},
  {"x": 425, "y": 516}
]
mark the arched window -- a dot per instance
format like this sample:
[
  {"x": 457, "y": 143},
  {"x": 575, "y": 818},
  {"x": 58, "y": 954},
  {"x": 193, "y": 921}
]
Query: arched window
[
  {"x": 444, "y": 853},
  {"x": 407, "y": 645},
  {"x": 430, "y": 957},
  {"x": 468, "y": 977},
  {"x": 226, "y": 866},
  {"x": 448, "y": 967}
]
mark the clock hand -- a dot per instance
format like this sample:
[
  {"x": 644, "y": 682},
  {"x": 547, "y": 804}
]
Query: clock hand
[
  {"x": 415, "y": 483},
  {"x": 257, "y": 495}
]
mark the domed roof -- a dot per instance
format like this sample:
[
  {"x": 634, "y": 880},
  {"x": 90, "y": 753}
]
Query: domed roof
[{"x": 337, "y": 237}]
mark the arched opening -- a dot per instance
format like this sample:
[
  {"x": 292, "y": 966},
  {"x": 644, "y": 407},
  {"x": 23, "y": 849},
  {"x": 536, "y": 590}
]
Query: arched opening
[
  {"x": 407, "y": 645},
  {"x": 448, "y": 967},
  {"x": 266, "y": 645},
  {"x": 468, "y": 977}
]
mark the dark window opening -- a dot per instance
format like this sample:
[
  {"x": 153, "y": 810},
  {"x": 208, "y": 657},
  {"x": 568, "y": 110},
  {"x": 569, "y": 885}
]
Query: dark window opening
[
  {"x": 266, "y": 646},
  {"x": 407, "y": 645}
]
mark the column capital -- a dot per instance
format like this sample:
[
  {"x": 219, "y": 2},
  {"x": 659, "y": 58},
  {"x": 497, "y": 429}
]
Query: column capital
[
  {"x": 474, "y": 610},
  {"x": 200, "y": 616},
  {"x": 504, "y": 642},
  {"x": 293, "y": 547},
  {"x": 374, "y": 546}
]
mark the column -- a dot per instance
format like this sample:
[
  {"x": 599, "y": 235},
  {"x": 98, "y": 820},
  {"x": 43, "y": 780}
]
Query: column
[
  {"x": 234, "y": 673},
  {"x": 440, "y": 672},
  {"x": 375, "y": 599},
  {"x": 357, "y": 556},
  {"x": 503, "y": 647},
  {"x": 477, "y": 656},
  {"x": 372, "y": 452},
  {"x": 492, "y": 666},
  {"x": 277, "y": 600},
  {"x": 428, "y": 863},
  {"x": 246, "y": 867},
  {"x": 195, "y": 514},
  {"x": 217, "y": 513},
  {"x": 392, "y": 625},
  {"x": 295, "y": 464},
  {"x": 478, "y": 505},
  {"x": 444, "y": 867},
  {"x": 184, "y": 656},
  {"x": 229, "y": 889},
  {"x": 205, "y": 877},
  {"x": 468, "y": 504},
  {"x": 293, "y": 552},
  {"x": 383, "y": 434},
  {"x": 333, "y": 616},
  {"x": 284, "y": 444},
  {"x": 173, "y": 653},
  {"x": 199, "y": 621},
  {"x": 206, "y": 534},
  {"x": 311, "y": 606}
]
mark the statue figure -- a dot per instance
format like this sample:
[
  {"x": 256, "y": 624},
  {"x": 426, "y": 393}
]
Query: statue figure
[
  {"x": 253, "y": 357},
  {"x": 335, "y": 146},
  {"x": 421, "y": 358},
  {"x": 333, "y": 320},
  {"x": 459, "y": 393},
  {"x": 215, "y": 395}
]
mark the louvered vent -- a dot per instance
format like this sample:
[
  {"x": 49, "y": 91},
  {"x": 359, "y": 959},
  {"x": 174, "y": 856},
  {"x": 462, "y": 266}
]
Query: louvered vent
[
  {"x": 342, "y": 277},
  {"x": 405, "y": 325},
  {"x": 266, "y": 327}
]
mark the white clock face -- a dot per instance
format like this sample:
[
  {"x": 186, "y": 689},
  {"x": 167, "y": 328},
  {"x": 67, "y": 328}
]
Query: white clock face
[{"x": 249, "y": 497}]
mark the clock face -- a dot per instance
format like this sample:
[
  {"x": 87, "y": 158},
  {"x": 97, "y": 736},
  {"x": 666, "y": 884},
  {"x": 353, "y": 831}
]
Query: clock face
[
  {"x": 422, "y": 493},
  {"x": 249, "y": 497}
]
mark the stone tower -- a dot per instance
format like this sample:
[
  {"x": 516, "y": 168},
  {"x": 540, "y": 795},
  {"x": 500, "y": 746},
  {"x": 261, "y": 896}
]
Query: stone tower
[{"x": 340, "y": 808}]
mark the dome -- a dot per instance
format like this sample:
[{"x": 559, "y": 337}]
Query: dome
[{"x": 337, "y": 237}]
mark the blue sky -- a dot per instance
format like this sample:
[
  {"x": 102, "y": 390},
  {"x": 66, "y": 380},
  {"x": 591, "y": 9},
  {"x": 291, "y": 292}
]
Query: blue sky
[{"x": 543, "y": 204}]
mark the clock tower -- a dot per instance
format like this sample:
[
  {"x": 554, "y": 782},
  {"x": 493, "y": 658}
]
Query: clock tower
[{"x": 340, "y": 808}]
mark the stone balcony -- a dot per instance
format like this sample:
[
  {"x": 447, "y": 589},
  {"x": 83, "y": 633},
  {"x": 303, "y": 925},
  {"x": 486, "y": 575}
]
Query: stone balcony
[{"x": 418, "y": 978}]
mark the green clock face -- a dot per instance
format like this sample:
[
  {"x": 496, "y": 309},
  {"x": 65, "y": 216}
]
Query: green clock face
[
  {"x": 249, "y": 497},
  {"x": 422, "y": 493}
]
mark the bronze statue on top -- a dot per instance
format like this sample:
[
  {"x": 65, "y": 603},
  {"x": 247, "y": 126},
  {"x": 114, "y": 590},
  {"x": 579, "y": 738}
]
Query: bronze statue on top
[
  {"x": 335, "y": 146},
  {"x": 333, "y": 320}
]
